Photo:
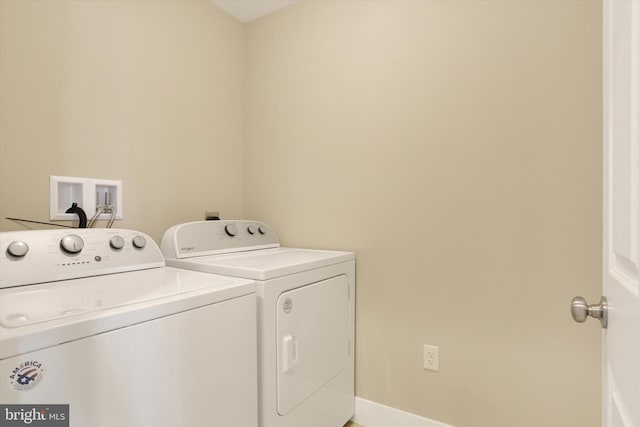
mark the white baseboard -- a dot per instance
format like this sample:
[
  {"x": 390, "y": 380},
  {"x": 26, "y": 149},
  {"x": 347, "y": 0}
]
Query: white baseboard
[{"x": 372, "y": 414}]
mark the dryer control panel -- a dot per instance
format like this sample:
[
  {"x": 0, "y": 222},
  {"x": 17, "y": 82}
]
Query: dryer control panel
[
  {"x": 40, "y": 256},
  {"x": 216, "y": 237}
]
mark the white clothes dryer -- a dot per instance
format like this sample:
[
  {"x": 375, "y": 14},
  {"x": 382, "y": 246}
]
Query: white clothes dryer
[
  {"x": 305, "y": 316},
  {"x": 92, "y": 318}
]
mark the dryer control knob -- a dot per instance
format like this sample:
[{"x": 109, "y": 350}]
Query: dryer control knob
[
  {"x": 139, "y": 242},
  {"x": 116, "y": 242},
  {"x": 17, "y": 249},
  {"x": 231, "y": 230},
  {"x": 262, "y": 229},
  {"x": 251, "y": 229},
  {"x": 72, "y": 244}
]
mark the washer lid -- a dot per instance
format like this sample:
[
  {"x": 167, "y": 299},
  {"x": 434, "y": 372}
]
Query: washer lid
[
  {"x": 264, "y": 264},
  {"x": 38, "y": 316}
]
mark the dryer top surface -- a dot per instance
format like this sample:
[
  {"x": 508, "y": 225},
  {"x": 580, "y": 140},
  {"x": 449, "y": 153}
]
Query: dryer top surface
[{"x": 264, "y": 264}]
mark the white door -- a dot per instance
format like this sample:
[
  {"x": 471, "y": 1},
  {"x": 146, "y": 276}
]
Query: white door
[{"x": 621, "y": 358}]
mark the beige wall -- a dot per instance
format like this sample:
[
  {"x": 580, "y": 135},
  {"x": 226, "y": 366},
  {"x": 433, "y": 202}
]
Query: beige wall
[
  {"x": 456, "y": 147},
  {"x": 148, "y": 92}
]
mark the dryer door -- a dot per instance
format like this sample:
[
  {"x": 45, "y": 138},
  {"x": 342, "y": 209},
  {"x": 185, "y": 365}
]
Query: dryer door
[{"x": 313, "y": 339}]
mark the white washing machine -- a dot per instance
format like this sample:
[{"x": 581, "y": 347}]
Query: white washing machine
[
  {"x": 92, "y": 318},
  {"x": 305, "y": 316}
]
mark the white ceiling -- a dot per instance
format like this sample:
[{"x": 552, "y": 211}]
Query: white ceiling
[{"x": 248, "y": 10}]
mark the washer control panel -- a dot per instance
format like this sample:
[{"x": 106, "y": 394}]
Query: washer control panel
[
  {"x": 40, "y": 256},
  {"x": 216, "y": 237}
]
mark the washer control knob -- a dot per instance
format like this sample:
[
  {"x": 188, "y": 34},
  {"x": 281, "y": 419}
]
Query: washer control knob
[
  {"x": 251, "y": 229},
  {"x": 231, "y": 230},
  {"x": 72, "y": 244},
  {"x": 116, "y": 242},
  {"x": 262, "y": 229},
  {"x": 139, "y": 242},
  {"x": 17, "y": 249}
]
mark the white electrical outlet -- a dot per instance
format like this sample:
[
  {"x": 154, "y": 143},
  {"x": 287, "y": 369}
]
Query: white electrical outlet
[{"x": 431, "y": 357}]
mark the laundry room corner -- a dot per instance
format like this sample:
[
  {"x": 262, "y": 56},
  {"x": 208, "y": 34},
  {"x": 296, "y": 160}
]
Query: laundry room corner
[{"x": 452, "y": 148}]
